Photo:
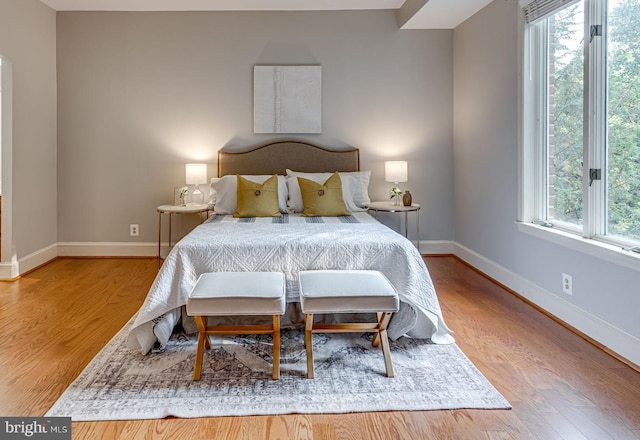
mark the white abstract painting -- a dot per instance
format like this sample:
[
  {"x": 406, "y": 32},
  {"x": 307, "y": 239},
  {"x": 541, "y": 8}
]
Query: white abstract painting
[{"x": 287, "y": 99}]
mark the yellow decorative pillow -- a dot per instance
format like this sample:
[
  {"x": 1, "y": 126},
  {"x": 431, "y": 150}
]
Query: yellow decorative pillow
[
  {"x": 257, "y": 199},
  {"x": 322, "y": 199}
]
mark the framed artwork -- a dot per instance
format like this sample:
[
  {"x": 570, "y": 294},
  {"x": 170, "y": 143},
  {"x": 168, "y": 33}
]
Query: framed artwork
[{"x": 287, "y": 99}]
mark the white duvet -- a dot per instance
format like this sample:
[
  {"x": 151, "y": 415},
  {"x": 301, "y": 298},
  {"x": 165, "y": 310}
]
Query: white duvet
[{"x": 296, "y": 243}]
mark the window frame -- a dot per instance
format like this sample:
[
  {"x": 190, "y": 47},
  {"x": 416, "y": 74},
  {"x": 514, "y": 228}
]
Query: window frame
[{"x": 592, "y": 237}]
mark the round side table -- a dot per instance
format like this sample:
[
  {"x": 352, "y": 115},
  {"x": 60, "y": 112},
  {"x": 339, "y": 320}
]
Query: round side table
[
  {"x": 176, "y": 209},
  {"x": 390, "y": 207}
]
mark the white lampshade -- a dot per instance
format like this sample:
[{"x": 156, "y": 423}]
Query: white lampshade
[
  {"x": 396, "y": 171},
  {"x": 196, "y": 173}
]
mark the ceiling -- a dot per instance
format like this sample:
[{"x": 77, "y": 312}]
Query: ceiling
[{"x": 422, "y": 14}]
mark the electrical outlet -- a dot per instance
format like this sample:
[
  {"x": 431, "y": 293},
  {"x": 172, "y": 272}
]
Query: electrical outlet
[
  {"x": 567, "y": 284},
  {"x": 134, "y": 230}
]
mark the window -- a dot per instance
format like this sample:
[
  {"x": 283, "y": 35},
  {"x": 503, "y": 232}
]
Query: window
[{"x": 581, "y": 162}]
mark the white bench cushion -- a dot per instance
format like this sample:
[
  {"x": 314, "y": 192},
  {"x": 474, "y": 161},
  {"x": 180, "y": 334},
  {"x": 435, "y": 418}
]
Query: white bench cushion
[
  {"x": 237, "y": 293},
  {"x": 346, "y": 291}
]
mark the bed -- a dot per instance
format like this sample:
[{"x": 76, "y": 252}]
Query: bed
[{"x": 289, "y": 242}]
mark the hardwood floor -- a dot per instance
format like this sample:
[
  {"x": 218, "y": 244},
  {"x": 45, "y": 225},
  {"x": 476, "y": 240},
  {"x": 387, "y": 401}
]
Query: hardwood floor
[{"x": 54, "y": 320}]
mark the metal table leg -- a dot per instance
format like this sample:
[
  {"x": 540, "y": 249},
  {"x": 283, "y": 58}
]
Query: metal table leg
[{"x": 159, "y": 236}]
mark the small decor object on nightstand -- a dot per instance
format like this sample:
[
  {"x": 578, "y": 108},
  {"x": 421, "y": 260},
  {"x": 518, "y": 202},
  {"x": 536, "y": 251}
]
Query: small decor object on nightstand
[
  {"x": 407, "y": 199},
  {"x": 396, "y": 195},
  {"x": 180, "y": 195}
]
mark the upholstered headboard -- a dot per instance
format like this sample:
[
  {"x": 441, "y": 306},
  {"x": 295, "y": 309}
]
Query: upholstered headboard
[{"x": 276, "y": 157}]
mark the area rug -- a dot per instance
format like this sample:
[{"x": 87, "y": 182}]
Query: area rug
[{"x": 120, "y": 384}]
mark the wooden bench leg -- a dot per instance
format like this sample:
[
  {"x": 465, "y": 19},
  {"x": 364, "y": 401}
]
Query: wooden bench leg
[
  {"x": 386, "y": 353},
  {"x": 383, "y": 322},
  {"x": 308, "y": 343},
  {"x": 381, "y": 337},
  {"x": 376, "y": 337},
  {"x": 276, "y": 347},
  {"x": 201, "y": 321}
]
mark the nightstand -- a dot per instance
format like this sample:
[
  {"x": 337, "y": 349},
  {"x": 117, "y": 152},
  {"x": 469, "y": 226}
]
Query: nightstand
[
  {"x": 177, "y": 209},
  {"x": 390, "y": 207}
]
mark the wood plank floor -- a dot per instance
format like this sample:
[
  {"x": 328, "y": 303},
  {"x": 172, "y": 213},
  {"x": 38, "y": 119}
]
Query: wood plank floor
[{"x": 54, "y": 320}]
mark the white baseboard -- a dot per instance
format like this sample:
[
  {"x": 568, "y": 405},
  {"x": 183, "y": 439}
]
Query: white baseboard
[
  {"x": 17, "y": 267},
  {"x": 615, "y": 339},
  {"x": 9, "y": 271},
  {"x": 107, "y": 249},
  {"x": 437, "y": 247}
]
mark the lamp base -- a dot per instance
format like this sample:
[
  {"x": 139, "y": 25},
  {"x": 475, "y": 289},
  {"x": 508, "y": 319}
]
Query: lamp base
[{"x": 197, "y": 198}]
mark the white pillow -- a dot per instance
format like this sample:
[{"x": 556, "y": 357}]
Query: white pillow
[
  {"x": 349, "y": 187},
  {"x": 226, "y": 192},
  {"x": 212, "y": 192},
  {"x": 360, "y": 187}
]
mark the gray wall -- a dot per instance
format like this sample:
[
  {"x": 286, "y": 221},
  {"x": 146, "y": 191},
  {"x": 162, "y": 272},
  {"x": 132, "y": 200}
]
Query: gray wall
[
  {"x": 486, "y": 70},
  {"x": 141, "y": 94},
  {"x": 28, "y": 40}
]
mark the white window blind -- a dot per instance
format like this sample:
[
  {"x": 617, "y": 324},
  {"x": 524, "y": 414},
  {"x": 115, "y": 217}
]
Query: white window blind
[{"x": 535, "y": 10}]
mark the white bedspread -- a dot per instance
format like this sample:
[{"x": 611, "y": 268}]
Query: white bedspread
[{"x": 226, "y": 244}]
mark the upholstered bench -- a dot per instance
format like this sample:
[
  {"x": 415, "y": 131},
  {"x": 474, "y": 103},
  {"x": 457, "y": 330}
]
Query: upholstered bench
[
  {"x": 347, "y": 291},
  {"x": 237, "y": 293}
]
